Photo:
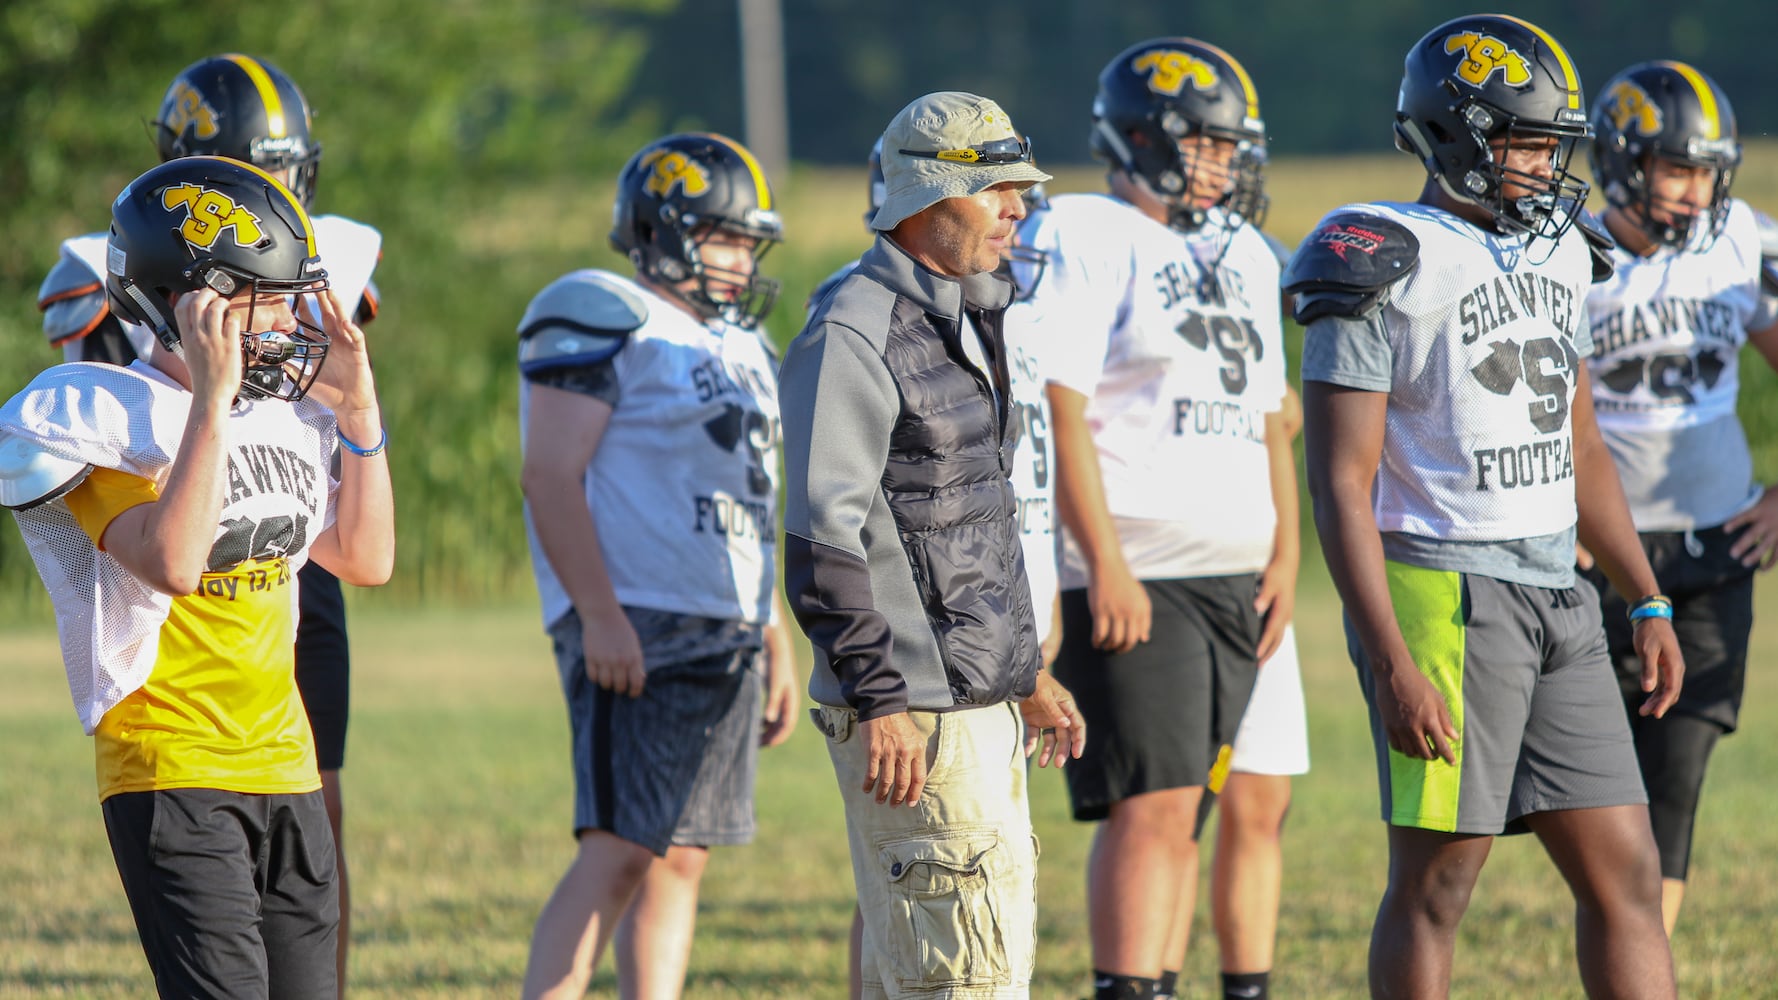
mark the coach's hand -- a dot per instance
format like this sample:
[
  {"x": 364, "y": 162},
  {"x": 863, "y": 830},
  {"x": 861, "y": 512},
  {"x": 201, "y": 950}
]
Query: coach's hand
[
  {"x": 613, "y": 652},
  {"x": 1122, "y": 613},
  {"x": 895, "y": 758},
  {"x": 1663, "y": 669},
  {"x": 1415, "y": 717},
  {"x": 1052, "y": 719}
]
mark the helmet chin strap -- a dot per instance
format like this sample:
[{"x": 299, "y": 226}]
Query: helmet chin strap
[{"x": 163, "y": 330}]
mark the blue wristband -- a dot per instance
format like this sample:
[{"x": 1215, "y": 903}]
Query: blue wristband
[
  {"x": 370, "y": 452},
  {"x": 1656, "y": 606}
]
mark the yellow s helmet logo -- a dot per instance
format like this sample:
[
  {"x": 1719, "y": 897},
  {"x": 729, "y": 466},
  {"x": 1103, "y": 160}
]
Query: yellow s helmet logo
[
  {"x": 1630, "y": 103},
  {"x": 189, "y": 108},
  {"x": 1484, "y": 56},
  {"x": 668, "y": 168},
  {"x": 1169, "y": 69},
  {"x": 207, "y": 213}
]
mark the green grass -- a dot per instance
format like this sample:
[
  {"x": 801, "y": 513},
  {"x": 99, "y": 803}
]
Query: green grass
[{"x": 458, "y": 801}]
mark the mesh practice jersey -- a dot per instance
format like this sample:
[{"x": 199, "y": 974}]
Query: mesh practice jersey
[
  {"x": 1484, "y": 341},
  {"x": 1667, "y": 334},
  {"x": 131, "y": 420},
  {"x": 1175, "y": 339},
  {"x": 684, "y": 484}
]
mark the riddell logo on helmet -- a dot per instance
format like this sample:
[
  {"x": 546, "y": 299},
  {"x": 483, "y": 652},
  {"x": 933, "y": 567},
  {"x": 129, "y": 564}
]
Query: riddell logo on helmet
[
  {"x": 1630, "y": 103},
  {"x": 1341, "y": 238},
  {"x": 668, "y": 169},
  {"x": 1484, "y": 56},
  {"x": 190, "y": 108},
  {"x": 208, "y": 212},
  {"x": 1169, "y": 69}
]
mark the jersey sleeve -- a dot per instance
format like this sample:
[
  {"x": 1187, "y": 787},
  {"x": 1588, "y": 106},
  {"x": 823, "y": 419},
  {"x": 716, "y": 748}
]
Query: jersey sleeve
[
  {"x": 1348, "y": 351},
  {"x": 1081, "y": 293},
  {"x": 104, "y": 495}
]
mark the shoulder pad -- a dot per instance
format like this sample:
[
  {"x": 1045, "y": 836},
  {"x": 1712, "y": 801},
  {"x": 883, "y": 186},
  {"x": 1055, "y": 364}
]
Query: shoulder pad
[
  {"x": 30, "y": 476},
  {"x": 1348, "y": 264},
  {"x": 73, "y": 301},
  {"x": 1599, "y": 245},
  {"x": 579, "y": 319},
  {"x": 370, "y": 302}
]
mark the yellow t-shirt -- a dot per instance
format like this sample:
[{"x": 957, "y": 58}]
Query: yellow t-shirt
[{"x": 220, "y": 708}]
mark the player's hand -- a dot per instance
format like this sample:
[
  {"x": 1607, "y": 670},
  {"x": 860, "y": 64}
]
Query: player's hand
[
  {"x": 210, "y": 334},
  {"x": 1414, "y": 715},
  {"x": 1758, "y": 545},
  {"x": 895, "y": 759},
  {"x": 1276, "y": 604},
  {"x": 344, "y": 384},
  {"x": 1663, "y": 669},
  {"x": 1121, "y": 610},
  {"x": 1052, "y": 719},
  {"x": 613, "y": 652},
  {"x": 782, "y": 697}
]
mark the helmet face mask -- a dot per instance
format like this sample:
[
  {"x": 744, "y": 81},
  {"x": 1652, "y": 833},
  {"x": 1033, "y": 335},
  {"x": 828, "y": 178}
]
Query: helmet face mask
[
  {"x": 1665, "y": 111},
  {"x": 245, "y": 109},
  {"x": 673, "y": 197},
  {"x": 1160, "y": 104},
  {"x": 1479, "y": 89},
  {"x": 210, "y": 222}
]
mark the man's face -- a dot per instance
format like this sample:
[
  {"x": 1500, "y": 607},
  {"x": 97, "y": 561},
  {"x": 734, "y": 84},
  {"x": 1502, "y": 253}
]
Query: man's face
[
  {"x": 1206, "y": 161},
  {"x": 1678, "y": 192},
  {"x": 969, "y": 234},
  {"x": 1528, "y": 162},
  {"x": 728, "y": 262}
]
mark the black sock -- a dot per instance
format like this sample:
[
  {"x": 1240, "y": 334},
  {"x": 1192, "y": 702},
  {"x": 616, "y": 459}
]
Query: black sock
[
  {"x": 1109, "y": 987},
  {"x": 1246, "y": 985},
  {"x": 1166, "y": 986}
]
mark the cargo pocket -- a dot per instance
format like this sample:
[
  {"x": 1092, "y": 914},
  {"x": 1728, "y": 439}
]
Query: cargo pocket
[{"x": 943, "y": 926}]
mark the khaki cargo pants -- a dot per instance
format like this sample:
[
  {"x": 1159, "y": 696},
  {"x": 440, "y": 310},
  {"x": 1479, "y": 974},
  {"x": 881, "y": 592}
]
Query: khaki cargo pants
[{"x": 948, "y": 887}]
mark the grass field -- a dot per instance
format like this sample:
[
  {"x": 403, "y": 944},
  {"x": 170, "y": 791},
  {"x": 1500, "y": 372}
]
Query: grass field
[{"x": 458, "y": 801}]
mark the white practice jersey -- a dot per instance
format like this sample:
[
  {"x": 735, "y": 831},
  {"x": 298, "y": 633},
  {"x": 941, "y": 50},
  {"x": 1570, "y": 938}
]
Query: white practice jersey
[
  {"x": 684, "y": 484},
  {"x": 1176, "y": 341},
  {"x": 279, "y": 498},
  {"x": 1667, "y": 334},
  {"x": 1485, "y": 339}
]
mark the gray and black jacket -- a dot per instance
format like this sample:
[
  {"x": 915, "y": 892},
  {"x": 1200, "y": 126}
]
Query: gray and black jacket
[{"x": 901, "y": 551}]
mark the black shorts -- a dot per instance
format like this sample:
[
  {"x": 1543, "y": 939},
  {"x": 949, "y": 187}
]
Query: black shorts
[
  {"x": 233, "y": 894},
  {"x": 1712, "y": 596},
  {"x": 323, "y": 662},
  {"x": 1164, "y": 714}
]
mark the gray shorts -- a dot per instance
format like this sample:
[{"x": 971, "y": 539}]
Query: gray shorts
[
  {"x": 1531, "y": 690},
  {"x": 673, "y": 767}
]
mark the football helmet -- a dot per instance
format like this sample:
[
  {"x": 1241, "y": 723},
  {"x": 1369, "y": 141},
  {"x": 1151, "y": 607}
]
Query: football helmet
[
  {"x": 245, "y": 109},
  {"x": 1156, "y": 93},
  {"x": 879, "y": 188},
  {"x": 1486, "y": 77},
  {"x": 210, "y": 221},
  {"x": 1023, "y": 265},
  {"x": 1669, "y": 110},
  {"x": 1249, "y": 200},
  {"x": 672, "y": 195}
]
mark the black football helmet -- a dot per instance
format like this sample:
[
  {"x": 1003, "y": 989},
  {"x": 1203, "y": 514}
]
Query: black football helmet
[
  {"x": 672, "y": 195},
  {"x": 245, "y": 109},
  {"x": 1670, "y": 110},
  {"x": 1249, "y": 200},
  {"x": 210, "y": 221},
  {"x": 1492, "y": 76},
  {"x": 1165, "y": 90}
]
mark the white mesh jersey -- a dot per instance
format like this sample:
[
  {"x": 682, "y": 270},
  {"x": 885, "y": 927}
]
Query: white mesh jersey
[
  {"x": 279, "y": 498},
  {"x": 1486, "y": 336},
  {"x": 1176, "y": 341},
  {"x": 1034, "y": 460},
  {"x": 684, "y": 484},
  {"x": 1667, "y": 334},
  {"x": 1668, "y": 328}
]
